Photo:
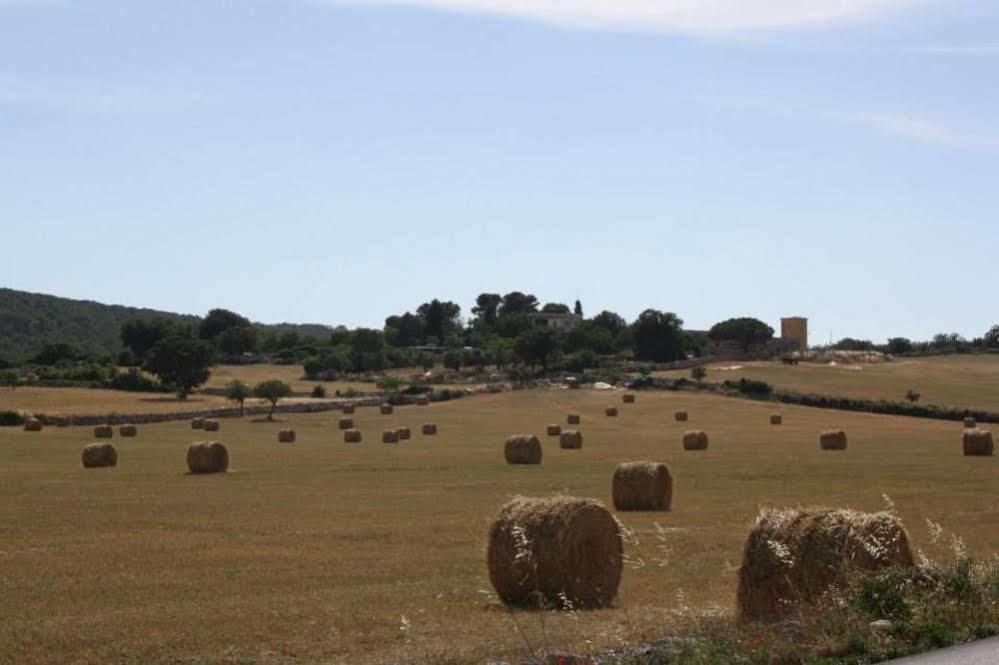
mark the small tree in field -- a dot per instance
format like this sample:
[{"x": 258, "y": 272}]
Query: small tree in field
[
  {"x": 912, "y": 396},
  {"x": 10, "y": 379},
  {"x": 273, "y": 391},
  {"x": 237, "y": 391},
  {"x": 698, "y": 373}
]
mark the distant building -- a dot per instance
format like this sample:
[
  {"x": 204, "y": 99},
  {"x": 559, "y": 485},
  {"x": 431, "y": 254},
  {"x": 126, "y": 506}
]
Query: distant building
[
  {"x": 794, "y": 333},
  {"x": 555, "y": 321}
]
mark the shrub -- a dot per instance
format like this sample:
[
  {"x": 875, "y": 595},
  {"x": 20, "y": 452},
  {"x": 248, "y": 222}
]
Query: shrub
[
  {"x": 751, "y": 387},
  {"x": 318, "y": 392},
  {"x": 11, "y": 418},
  {"x": 135, "y": 381}
]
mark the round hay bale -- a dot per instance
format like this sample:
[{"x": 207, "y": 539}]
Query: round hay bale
[
  {"x": 553, "y": 552},
  {"x": 554, "y": 430},
  {"x": 211, "y": 425},
  {"x": 628, "y": 398},
  {"x": 776, "y": 419},
  {"x": 573, "y": 419},
  {"x": 198, "y": 423},
  {"x": 286, "y": 436},
  {"x": 207, "y": 457},
  {"x": 345, "y": 423},
  {"x": 348, "y": 409},
  {"x": 970, "y": 423},
  {"x": 387, "y": 409},
  {"x": 522, "y": 449},
  {"x": 404, "y": 433},
  {"x": 611, "y": 412},
  {"x": 681, "y": 416},
  {"x": 571, "y": 440},
  {"x": 32, "y": 425},
  {"x": 695, "y": 440},
  {"x": 128, "y": 431},
  {"x": 103, "y": 432},
  {"x": 978, "y": 442},
  {"x": 352, "y": 436},
  {"x": 98, "y": 455},
  {"x": 642, "y": 486},
  {"x": 833, "y": 440},
  {"x": 429, "y": 429},
  {"x": 792, "y": 557},
  {"x": 390, "y": 436}
]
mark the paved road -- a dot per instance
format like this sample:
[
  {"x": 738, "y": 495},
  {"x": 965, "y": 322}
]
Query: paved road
[{"x": 984, "y": 652}]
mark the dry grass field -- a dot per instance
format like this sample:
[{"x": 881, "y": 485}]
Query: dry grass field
[
  {"x": 290, "y": 374},
  {"x": 76, "y": 401},
  {"x": 318, "y": 551},
  {"x": 959, "y": 380}
]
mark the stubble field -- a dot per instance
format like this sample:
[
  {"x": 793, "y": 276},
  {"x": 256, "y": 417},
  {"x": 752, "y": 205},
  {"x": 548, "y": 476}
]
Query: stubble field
[{"x": 319, "y": 551}]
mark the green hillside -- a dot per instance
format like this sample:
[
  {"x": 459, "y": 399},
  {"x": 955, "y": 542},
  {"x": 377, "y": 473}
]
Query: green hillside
[{"x": 28, "y": 321}]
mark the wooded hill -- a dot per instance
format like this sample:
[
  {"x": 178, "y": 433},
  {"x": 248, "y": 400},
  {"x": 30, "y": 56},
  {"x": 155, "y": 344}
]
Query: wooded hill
[{"x": 28, "y": 321}]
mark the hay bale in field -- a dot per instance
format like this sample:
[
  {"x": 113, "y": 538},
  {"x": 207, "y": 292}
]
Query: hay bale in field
[
  {"x": 207, "y": 457},
  {"x": 211, "y": 425},
  {"x": 345, "y": 423},
  {"x": 681, "y": 416},
  {"x": 386, "y": 409},
  {"x": 403, "y": 433},
  {"x": 103, "y": 432},
  {"x": 553, "y": 430},
  {"x": 522, "y": 449},
  {"x": 792, "y": 557},
  {"x": 286, "y": 436},
  {"x": 429, "y": 429},
  {"x": 348, "y": 409},
  {"x": 573, "y": 419},
  {"x": 611, "y": 411},
  {"x": 628, "y": 398},
  {"x": 695, "y": 440},
  {"x": 198, "y": 423},
  {"x": 128, "y": 431},
  {"x": 833, "y": 440},
  {"x": 390, "y": 436},
  {"x": 32, "y": 425},
  {"x": 571, "y": 440},
  {"x": 98, "y": 455},
  {"x": 969, "y": 423},
  {"x": 776, "y": 419},
  {"x": 352, "y": 436},
  {"x": 642, "y": 486},
  {"x": 978, "y": 442},
  {"x": 555, "y": 552}
]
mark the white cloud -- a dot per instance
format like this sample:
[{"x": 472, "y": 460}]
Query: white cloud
[
  {"x": 890, "y": 124},
  {"x": 683, "y": 16}
]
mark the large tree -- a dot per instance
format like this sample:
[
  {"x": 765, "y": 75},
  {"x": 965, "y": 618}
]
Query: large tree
[
  {"x": 992, "y": 337},
  {"x": 556, "y": 308},
  {"x": 609, "y": 321},
  {"x": 516, "y": 302},
  {"x": 218, "y": 321},
  {"x": 441, "y": 318},
  {"x": 406, "y": 330},
  {"x": 747, "y": 331},
  {"x": 180, "y": 361},
  {"x": 536, "y": 346},
  {"x": 139, "y": 335},
  {"x": 237, "y": 340},
  {"x": 658, "y": 336},
  {"x": 487, "y": 307}
]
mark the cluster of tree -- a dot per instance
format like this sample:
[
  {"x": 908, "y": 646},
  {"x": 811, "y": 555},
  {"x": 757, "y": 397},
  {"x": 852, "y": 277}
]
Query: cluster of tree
[{"x": 940, "y": 343}]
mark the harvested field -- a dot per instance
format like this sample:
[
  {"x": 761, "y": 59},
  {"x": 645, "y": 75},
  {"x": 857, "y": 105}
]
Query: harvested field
[{"x": 316, "y": 542}]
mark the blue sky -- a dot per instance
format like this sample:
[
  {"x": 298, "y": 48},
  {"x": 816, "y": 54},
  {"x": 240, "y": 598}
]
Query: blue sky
[{"x": 337, "y": 162}]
